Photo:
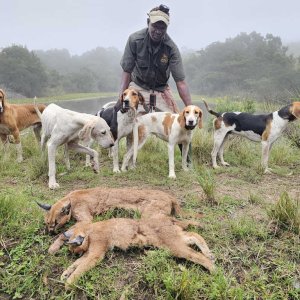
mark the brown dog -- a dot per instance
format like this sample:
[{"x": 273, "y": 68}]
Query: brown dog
[
  {"x": 93, "y": 240},
  {"x": 82, "y": 205},
  {"x": 15, "y": 118}
]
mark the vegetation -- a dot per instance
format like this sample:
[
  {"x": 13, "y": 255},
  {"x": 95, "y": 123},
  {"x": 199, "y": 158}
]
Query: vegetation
[
  {"x": 248, "y": 65},
  {"x": 248, "y": 223}
]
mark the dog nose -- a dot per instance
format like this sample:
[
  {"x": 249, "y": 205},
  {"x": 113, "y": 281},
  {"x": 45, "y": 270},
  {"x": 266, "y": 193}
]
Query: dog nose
[
  {"x": 111, "y": 145},
  {"x": 191, "y": 123}
]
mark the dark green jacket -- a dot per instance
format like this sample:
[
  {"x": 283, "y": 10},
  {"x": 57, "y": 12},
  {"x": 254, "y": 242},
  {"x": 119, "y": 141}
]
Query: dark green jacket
[{"x": 150, "y": 68}]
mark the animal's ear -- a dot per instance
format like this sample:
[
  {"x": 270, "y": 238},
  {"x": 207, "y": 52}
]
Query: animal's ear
[
  {"x": 85, "y": 133},
  {"x": 77, "y": 241},
  {"x": 141, "y": 98},
  {"x": 68, "y": 234},
  {"x": 66, "y": 209},
  {"x": 2, "y": 94},
  {"x": 296, "y": 109},
  {"x": 200, "y": 119},
  {"x": 44, "y": 206},
  {"x": 181, "y": 119}
]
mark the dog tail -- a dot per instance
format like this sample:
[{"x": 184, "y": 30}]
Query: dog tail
[
  {"x": 37, "y": 108},
  {"x": 211, "y": 111}
]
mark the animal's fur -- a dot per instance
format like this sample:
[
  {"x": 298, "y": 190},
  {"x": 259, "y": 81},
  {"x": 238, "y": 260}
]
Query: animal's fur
[
  {"x": 170, "y": 127},
  {"x": 63, "y": 126},
  {"x": 264, "y": 128},
  {"x": 93, "y": 240},
  {"x": 82, "y": 205},
  {"x": 15, "y": 118}
]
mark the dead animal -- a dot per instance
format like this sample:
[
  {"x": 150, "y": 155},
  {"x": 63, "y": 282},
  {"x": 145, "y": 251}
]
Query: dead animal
[
  {"x": 82, "y": 205},
  {"x": 93, "y": 240}
]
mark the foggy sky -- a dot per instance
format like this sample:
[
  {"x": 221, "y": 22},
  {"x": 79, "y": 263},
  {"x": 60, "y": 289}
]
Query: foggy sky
[{"x": 82, "y": 25}]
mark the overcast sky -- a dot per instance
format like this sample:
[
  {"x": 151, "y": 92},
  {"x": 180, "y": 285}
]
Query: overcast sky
[{"x": 82, "y": 25}]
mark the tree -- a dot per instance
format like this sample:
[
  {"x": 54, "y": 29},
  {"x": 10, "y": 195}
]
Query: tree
[{"x": 22, "y": 71}]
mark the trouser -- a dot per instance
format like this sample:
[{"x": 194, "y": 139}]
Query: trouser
[{"x": 164, "y": 102}]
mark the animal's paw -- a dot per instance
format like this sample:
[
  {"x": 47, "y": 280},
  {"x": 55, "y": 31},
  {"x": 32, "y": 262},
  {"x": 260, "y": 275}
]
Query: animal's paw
[
  {"x": 216, "y": 166},
  {"x": 95, "y": 166},
  {"x": 19, "y": 159},
  {"x": 173, "y": 176},
  {"x": 124, "y": 169},
  {"x": 116, "y": 170},
  {"x": 65, "y": 275},
  {"x": 185, "y": 169},
  {"x": 224, "y": 163},
  {"x": 268, "y": 171},
  {"x": 53, "y": 185}
]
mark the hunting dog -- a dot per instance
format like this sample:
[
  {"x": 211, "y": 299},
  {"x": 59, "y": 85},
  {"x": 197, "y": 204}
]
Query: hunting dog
[
  {"x": 264, "y": 128},
  {"x": 66, "y": 127},
  {"x": 170, "y": 127},
  {"x": 124, "y": 113},
  {"x": 15, "y": 118},
  {"x": 82, "y": 205},
  {"x": 93, "y": 240}
]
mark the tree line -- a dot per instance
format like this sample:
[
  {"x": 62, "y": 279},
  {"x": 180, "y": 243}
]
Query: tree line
[{"x": 248, "y": 64}]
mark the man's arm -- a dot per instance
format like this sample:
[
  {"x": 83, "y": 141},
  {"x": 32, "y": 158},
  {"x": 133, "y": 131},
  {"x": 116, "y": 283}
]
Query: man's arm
[
  {"x": 125, "y": 80},
  {"x": 184, "y": 92}
]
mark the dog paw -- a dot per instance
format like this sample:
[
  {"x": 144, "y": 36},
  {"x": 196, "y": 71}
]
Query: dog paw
[
  {"x": 225, "y": 164},
  {"x": 216, "y": 166},
  {"x": 53, "y": 186},
  {"x": 173, "y": 176},
  {"x": 116, "y": 170},
  {"x": 268, "y": 171}
]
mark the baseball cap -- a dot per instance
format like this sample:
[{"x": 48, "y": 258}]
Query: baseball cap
[{"x": 158, "y": 15}]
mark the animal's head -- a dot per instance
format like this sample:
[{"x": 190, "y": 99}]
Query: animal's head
[
  {"x": 190, "y": 117},
  {"x": 131, "y": 98},
  {"x": 295, "y": 109},
  {"x": 77, "y": 237},
  {"x": 56, "y": 215},
  {"x": 2, "y": 99},
  {"x": 98, "y": 130}
]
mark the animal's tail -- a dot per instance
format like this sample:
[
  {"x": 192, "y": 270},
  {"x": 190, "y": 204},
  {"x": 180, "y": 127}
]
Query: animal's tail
[
  {"x": 211, "y": 111},
  {"x": 37, "y": 109}
]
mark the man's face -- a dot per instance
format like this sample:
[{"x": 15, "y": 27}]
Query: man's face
[{"x": 157, "y": 31}]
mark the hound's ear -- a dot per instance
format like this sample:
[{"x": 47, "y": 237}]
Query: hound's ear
[
  {"x": 181, "y": 119},
  {"x": 200, "y": 119},
  {"x": 296, "y": 109},
  {"x": 3, "y": 94},
  {"x": 85, "y": 133},
  {"x": 141, "y": 98}
]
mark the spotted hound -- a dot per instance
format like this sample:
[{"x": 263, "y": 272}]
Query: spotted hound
[
  {"x": 170, "y": 127},
  {"x": 264, "y": 128},
  {"x": 121, "y": 118}
]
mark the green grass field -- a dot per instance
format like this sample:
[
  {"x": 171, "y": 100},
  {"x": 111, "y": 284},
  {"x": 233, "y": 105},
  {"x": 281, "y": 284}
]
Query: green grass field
[{"x": 251, "y": 224}]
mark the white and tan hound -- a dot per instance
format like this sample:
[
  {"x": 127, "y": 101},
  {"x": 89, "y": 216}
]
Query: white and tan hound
[
  {"x": 170, "y": 127},
  {"x": 15, "y": 118},
  {"x": 66, "y": 127},
  {"x": 264, "y": 128}
]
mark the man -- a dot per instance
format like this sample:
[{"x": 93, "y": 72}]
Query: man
[{"x": 150, "y": 56}]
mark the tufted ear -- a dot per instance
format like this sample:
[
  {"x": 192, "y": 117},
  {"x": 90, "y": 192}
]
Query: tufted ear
[
  {"x": 200, "y": 119},
  {"x": 181, "y": 119},
  {"x": 296, "y": 109},
  {"x": 85, "y": 133}
]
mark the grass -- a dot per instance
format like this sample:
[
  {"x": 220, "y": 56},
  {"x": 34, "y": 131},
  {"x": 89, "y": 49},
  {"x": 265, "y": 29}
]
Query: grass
[{"x": 249, "y": 223}]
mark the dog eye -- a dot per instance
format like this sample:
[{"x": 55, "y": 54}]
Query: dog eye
[
  {"x": 134, "y": 93},
  {"x": 103, "y": 131}
]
